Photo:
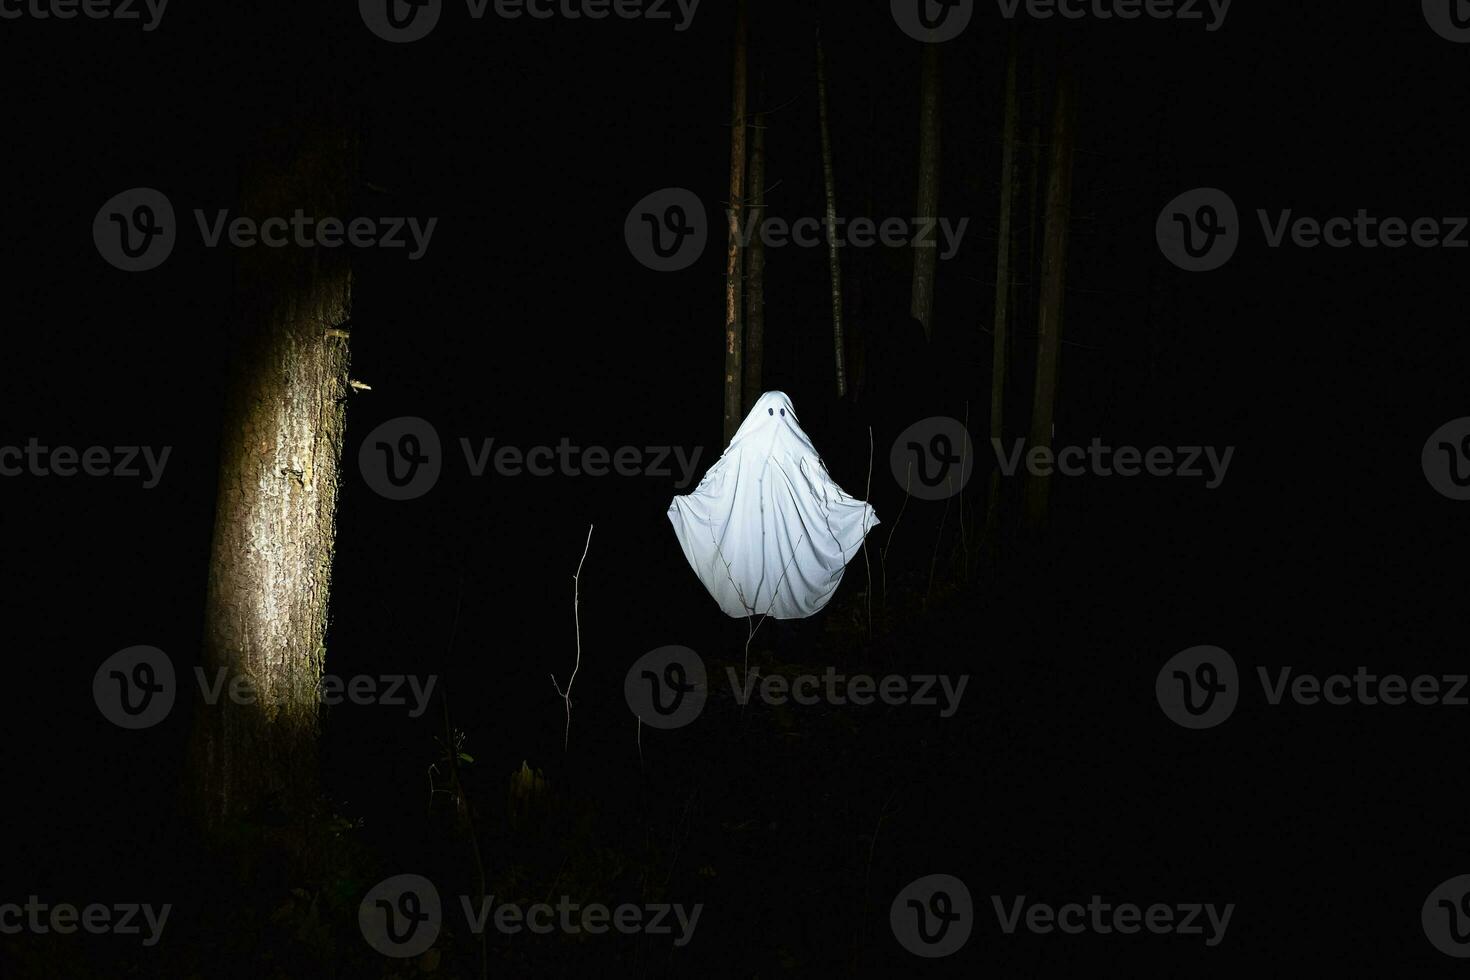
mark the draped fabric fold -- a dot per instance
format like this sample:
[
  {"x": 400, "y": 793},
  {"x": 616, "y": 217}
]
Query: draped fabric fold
[{"x": 767, "y": 530}]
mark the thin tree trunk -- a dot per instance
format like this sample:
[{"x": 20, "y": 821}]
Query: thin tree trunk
[
  {"x": 833, "y": 264},
  {"x": 755, "y": 279},
  {"x": 1004, "y": 237},
  {"x": 1053, "y": 289},
  {"x": 270, "y": 565},
  {"x": 860, "y": 271},
  {"x": 1026, "y": 312},
  {"x": 734, "y": 285},
  {"x": 926, "y": 250}
]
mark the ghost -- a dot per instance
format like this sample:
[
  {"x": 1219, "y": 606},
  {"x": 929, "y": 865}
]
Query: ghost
[{"x": 767, "y": 530}]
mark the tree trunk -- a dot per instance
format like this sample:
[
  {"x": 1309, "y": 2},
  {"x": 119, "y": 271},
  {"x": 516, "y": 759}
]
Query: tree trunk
[
  {"x": 1034, "y": 203},
  {"x": 270, "y": 565},
  {"x": 926, "y": 249},
  {"x": 734, "y": 342},
  {"x": 755, "y": 279},
  {"x": 1004, "y": 237},
  {"x": 860, "y": 266},
  {"x": 834, "y": 265},
  {"x": 1053, "y": 289}
]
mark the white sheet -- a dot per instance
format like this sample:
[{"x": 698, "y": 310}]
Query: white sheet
[{"x": 766, "y": 530}]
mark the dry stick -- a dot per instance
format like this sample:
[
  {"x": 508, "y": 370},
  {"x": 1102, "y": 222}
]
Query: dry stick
[
  {"x": 749, "y": 608},
  {"x": 867, "y": 495},
  {"x": 460, "y": 800},
  {"x": 872, "y": 844},
  {"x": 577, "y": 621},
  {"x": 937, "y": 539},
  {"x": 964, "y": 544},
  {"x": 751, "y": 612},
  {"x": 744, "y": 602},
  {"x": 908, "y": 476},
  {"x": 679, "y": 842}
]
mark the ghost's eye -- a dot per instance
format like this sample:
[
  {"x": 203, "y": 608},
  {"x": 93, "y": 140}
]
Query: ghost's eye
[
  {"x": 783, "y": 413},
  {"x": 769, "y": 412}
]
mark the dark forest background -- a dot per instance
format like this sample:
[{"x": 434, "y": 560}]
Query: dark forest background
[{"x": 529, "y": 320}]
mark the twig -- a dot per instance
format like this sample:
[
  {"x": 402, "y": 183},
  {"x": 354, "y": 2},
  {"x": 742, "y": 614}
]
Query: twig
[
  {"x": 452, "y": 746},
  {"x": 964, "y": 542},
  {"x": 868, "y": 868},
  {"x": 908, "y": 476},
  {"x": 577, "y": 621},
  {"x": 867, "y": 496},
  {"x": 934, "y": 559}
]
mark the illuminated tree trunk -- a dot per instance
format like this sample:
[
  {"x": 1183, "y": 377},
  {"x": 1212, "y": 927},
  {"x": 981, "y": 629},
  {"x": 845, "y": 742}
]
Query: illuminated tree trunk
[
  {"x": 734, "y": 341},
  {"x": 1053, "y": 289},
  {"x": 834, "y": 266},
  {"x": 270, "y": 565},
  {"x": 925, "y": 250},
  {"x": 1004, "y": 237},
  {"x": 755, "y": 271}
]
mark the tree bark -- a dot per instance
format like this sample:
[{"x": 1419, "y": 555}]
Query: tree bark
[
  {"x": 834, "y": 264},
  {"x": 861, "y": 333},
  {"x": 755, "y": 278},
  {"x": 734, "y": 342},
  {"x": 926, "y": 249},
  {"x": 270, "y": 566},
  {"x": 1053, "y": 288},
  {"x": 1000, "y": 325},
  {"x": 1034, "y": 204}
]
